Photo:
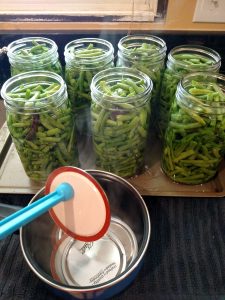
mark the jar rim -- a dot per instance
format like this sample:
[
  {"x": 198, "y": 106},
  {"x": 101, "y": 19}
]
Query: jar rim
[
  {"x": 79, "y": 42},
  {"x": 121, "y": 72},
  {"x": 21, "y": 43},
  {"x": 197, "y": 104},
  {"x": 197, "y": 49},
  {"x": 51, "y": 76},
  {"x": 147, "y": 38}
]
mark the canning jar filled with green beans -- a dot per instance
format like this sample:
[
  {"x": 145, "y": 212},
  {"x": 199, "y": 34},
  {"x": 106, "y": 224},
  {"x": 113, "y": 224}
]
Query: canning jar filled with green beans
[
  {"x": 194, "y": 142},
  {"x": 84, "y": 58},
  {"x": 183, "y": 60},
  {"x": 145, "y": 53},
  {"x": 40, "y": 122},
  {"x": 33, "y": 53},
  {"x": 120, "y": 113}
]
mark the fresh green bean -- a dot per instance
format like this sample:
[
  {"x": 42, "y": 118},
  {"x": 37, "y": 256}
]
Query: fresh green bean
[
  {"x": 35, "y": 56},
  {"x": 194, "y": 59},
  {"x": 45, "y": 139},
  {"x": 184, "y": 63},
  {"x": 194, "y": 144},
  {"x": 120, "y": 130}
]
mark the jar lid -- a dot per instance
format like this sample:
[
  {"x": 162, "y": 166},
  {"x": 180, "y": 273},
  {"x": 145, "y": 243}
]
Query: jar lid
[
  {"x": 117, "y": 228},
  {"x": 85, "y": 217},
  {"x": 79, "y": 263}
]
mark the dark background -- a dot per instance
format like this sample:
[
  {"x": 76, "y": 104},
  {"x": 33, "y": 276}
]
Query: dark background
[{"x": 214, "y": 41}]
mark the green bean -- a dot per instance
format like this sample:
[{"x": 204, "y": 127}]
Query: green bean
[
  {"x": 35, "y": 57},
  {"x": 194, "y": 59},
  {"x": 79, "y": 74},
  {"x": 120, "y": 130},
  {"x": 184, "y": 63},
  {"x": 194, "y": 147},
  {"x": 44, "y": 139}
]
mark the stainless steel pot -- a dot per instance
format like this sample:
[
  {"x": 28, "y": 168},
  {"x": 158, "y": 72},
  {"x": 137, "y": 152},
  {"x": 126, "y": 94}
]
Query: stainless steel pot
[{"x": 42, "y": 241}]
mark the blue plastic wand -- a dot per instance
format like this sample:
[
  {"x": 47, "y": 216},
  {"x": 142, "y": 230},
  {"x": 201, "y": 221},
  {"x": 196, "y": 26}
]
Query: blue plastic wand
[{"x": 25, "y": 215}]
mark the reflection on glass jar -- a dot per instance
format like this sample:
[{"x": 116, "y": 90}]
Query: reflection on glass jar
[
  {"x": 182, "y": 60},
  {"x": 40, "y": 122},
  {"x": 194, "y": 142},
  {"x": 33, "y": 53},
  {"x": 120, "y": 113},
  {"x": 145, "y": 53}
]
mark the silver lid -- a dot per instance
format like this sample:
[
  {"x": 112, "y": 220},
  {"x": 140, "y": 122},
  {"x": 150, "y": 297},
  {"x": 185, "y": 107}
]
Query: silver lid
[
  {"x": 89, "y": 263},
  {"x": 80, "y": 263}
]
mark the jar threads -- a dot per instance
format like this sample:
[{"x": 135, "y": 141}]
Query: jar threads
[{"x": 33, "y": 53}]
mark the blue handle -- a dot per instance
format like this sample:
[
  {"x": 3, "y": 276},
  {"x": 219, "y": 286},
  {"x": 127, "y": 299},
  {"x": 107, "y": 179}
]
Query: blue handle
[{"x": 25, "y": 215}]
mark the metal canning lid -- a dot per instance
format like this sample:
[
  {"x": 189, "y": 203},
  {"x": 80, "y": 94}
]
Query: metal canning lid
[
  {"x": 121, "y": 230},
  {"x": 80, "y": 263}
]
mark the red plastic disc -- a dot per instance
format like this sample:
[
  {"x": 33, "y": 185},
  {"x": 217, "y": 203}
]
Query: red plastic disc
[{"x": 85, "y": 217}]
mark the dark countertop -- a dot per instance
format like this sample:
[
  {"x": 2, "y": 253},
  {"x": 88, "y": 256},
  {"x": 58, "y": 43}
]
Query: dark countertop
[{"x": 185, "y": 258}]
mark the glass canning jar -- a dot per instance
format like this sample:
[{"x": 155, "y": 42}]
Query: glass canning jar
[
  {"x": 33, "y": 53},
  {"x": 194, "y": 141},
  {"x": 40, "y": 122},
  {"x": 145, "y": 53},
  {"x": 84, "y": 58},
  {"x": 182, "y": 60},
  {"x": 120, "y": 113}
]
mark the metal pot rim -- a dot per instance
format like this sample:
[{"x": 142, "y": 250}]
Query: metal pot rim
[{"x": 123, "y": 275}]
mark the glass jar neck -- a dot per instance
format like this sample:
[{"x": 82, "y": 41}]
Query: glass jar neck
[
  {"x": 33, "y": 106},
  {"x": 113, "y": 76},
  {"x": 90, "y": 61},
  {"x": 149, "y": 49},
  {"x": 32, "y": 50},
  {"x": 176, "y": 64},
  {"x": 197, "y": 104}
]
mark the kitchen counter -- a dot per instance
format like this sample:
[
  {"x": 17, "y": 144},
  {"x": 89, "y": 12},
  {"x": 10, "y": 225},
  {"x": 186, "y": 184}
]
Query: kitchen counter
[{"x": 185, "y": 258}]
